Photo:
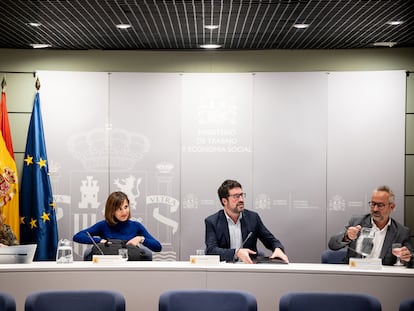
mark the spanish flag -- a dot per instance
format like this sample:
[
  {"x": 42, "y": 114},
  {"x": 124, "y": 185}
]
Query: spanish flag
[{"x": 9, "y": 190}]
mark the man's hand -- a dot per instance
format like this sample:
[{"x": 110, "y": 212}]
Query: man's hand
[
  {"x": 352, "y": 232},
  {"x": 405, "y": 254},
  {"x": 280, "y": 254},
  {"x": 244, "y": 255}
]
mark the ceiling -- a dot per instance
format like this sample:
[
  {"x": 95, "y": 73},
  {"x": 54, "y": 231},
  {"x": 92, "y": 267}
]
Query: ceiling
[{"x": 179, "y": 24}]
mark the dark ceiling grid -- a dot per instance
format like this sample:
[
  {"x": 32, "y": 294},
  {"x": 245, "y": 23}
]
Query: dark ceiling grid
[
  {"x": 55, "y": 22},
  {"x": 324, "y": 26},
  {"x": 179, "y": 24},
  {"x": 306, "y": 15},
  {"x": 259, "y": 28},
  {"x": 277, "y": 30},
  {"x": 289, "y": 30},
  {"x": 353, "y": 21},
  {"x": 317, "y": 21},
  {"x": 96, "y": 13}
]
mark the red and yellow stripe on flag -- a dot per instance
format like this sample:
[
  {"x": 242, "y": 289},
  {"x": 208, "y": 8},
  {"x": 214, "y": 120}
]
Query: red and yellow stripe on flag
[{"x": 9, "y": 190}]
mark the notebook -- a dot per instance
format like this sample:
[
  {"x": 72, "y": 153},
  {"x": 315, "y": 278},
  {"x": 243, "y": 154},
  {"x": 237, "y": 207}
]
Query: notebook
[{"x": 17, "y": 254}]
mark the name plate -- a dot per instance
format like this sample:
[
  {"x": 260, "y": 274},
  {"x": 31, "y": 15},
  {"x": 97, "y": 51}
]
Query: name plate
[
  {"x": 205, "y": 259},
  {"x": 102, "y": 259},
  {"x": 365, "y": 263}
]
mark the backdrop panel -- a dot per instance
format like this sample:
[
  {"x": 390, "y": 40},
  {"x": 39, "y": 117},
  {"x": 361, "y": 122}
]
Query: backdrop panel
[
  {"x": 365, "y": 142},
  {"x": 144, "y": 118},
  {"x": 216, "y": 145},
  {"x": 75, "y": 109},
  {"x": 308, "y": 149},
  {"x": 289, "y": 170}
]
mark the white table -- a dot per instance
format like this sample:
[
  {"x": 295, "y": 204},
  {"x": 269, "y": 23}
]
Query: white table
[{"x": 142, "y": 282}]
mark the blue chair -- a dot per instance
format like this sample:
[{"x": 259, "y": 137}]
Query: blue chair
[
  {"x": 318, "y": 301},
  {"x": 333, "y": 257},
  {"x": 407, "y": 305},
  {"x": 7, "y": 302},
  {"x": 207, "y": 300},
  {"x": 79, "y": 300}
]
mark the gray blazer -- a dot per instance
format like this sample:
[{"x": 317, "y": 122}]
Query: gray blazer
[{"x": 396, "y": 233}]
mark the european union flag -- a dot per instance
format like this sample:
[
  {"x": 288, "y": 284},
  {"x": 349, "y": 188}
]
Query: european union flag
[{"x": 37, "y": 212}]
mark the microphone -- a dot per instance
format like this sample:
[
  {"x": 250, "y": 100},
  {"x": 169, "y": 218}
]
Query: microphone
[
  {"x": 94, "y": 243},
  {"x": 245, "y": 240},
  {"x": 243, "y": 244},
  {"x": 355, "y": 251}
]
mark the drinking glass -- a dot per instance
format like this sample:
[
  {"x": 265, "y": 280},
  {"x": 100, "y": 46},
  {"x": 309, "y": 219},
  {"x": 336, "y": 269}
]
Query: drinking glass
[
  {"x": 124, "y": 253},
  {"x": 396, "y": 251},
  {"x": 64, "y": 253}
]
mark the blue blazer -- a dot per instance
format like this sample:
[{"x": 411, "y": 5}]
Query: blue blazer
[
  {"x": 217, "y": 237},
  {"x": 396, "y": 233}
]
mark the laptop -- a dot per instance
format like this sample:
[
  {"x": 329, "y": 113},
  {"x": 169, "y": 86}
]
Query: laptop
[
  {"x": 267, "y": 260},
  {"x": 17, "y": 254}
]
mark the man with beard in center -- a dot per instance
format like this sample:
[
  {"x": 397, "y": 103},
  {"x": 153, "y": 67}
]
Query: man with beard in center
[{"x": 233, "y": 231}]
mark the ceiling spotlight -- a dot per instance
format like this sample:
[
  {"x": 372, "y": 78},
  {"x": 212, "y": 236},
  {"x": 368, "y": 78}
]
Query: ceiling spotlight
[
  {"x": 123, "y": 26},
  {"x": 210, "y": 46},
  {"x": 395, "y": 23},
  {"x": 301, "y": 26},
  {"x": 33, "y": 24},
  {"x": 385, "y": 44},
  {"x": 40, "y": 45},
  {"x": 211, "y": 27}
]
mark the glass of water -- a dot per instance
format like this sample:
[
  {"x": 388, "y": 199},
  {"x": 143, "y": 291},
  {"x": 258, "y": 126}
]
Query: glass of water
[{"x": 124, "y": 253}]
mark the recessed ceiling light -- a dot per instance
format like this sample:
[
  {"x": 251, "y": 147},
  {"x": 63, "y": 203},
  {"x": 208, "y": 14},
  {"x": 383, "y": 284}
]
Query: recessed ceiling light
[
  {"x": 395, "y": 23},
  {"x": 301, "y": 26},
  {"x": 40, "y": 45},
  {"x": 210, "y": 46},
  {"x": 386, "y": 44},
  {"x": 123, "y": 26},
  {"x": 33, "y": 24},
  {"x": 211, "y": 27}
]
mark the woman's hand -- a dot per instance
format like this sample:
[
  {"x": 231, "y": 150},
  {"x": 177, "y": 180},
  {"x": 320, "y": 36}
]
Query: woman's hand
[{"x": 138, "y": 240}]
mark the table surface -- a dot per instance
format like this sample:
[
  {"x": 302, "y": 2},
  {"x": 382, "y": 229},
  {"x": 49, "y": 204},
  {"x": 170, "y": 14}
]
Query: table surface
[
  {"x": 268, "y": 282},
  {"x": 184, "y": 265}
]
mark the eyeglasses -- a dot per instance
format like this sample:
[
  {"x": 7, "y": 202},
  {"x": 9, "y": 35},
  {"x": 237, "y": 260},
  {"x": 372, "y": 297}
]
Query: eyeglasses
[
  {"x": 380, "y": 205},
  {"x": 237, "y": 196}
]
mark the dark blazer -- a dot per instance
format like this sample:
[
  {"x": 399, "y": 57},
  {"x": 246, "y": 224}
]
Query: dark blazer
[
  {"x": 218, "y": 237},
  {"x": 396, "y": 233}
]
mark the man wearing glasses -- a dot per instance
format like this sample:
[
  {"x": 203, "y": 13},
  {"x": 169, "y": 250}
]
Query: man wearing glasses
[
  {"x": 233, "y": 231},
  {"x": 384, "y": 229}
]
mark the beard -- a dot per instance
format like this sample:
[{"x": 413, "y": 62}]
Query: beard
[{"x": 238, "y": 208}]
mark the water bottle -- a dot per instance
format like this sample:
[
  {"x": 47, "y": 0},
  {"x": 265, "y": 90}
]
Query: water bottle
[{"x": 64, "y": 252}]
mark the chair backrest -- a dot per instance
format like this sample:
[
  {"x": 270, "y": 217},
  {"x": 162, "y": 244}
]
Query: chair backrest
[
  {"x": 298, "y": 301},
  {"x": 207, "y": 300},
  {"x": 330, "y": 256},
  {"x": 79, "y": 300},
  {"x": 7, "y": 302},
  {"x": 407, "y": 305}
]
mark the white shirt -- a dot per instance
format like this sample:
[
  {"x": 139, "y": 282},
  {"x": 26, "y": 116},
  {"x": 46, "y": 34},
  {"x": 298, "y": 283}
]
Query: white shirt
[
  {"x": 379, "y": 238},
  {"x": 234, "y": 231}
]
